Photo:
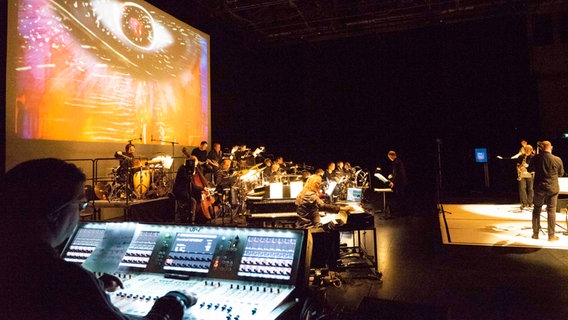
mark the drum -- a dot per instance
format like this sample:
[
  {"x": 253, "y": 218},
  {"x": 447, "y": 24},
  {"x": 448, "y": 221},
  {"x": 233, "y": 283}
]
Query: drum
[
  {"x": 141, "y": 182},
  {"x": 102, "y": 190}
]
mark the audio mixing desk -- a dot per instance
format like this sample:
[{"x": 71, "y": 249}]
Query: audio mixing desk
[{"x": 235, "y": 273}]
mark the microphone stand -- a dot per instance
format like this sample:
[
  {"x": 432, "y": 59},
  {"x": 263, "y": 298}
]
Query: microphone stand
[
  {"x": 173, "y": 143},
  {"x": 440, "y": 206}
]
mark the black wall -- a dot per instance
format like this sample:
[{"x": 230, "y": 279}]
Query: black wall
[{"x": 451, "y": 88}]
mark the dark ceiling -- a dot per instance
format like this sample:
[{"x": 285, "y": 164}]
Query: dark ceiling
[{"x": 282, "y": 22}]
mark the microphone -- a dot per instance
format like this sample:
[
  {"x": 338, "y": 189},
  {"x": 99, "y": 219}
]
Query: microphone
[
  {"x": 152, "y": 138},
  {"x": 141, "y": 137}
]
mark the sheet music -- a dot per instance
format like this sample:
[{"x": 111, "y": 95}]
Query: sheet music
[
  {"x": 381, "y": 177},
  {"x": 357, "y": 208}
]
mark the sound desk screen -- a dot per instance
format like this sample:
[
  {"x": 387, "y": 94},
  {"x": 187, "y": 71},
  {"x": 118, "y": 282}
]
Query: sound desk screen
[
  {"x": 271, "y": 255},
  {"x": 234, "y": 273}
]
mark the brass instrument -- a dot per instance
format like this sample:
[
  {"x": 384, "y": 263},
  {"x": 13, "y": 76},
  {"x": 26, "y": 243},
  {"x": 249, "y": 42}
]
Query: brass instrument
[{"x": 522, "y": 169}]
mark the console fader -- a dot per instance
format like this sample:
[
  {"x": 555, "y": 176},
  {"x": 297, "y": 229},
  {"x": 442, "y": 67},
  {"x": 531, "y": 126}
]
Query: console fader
[{"x": 235, "y": 273}]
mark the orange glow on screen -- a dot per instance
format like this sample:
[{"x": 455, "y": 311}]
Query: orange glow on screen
[{"x": 107, "y": 71}]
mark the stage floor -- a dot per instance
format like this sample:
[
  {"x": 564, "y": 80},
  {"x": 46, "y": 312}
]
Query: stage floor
[{"x": 499, "y": 225}]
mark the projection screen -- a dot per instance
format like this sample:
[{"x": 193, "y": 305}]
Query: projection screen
[{"x": 102, "y": 71}]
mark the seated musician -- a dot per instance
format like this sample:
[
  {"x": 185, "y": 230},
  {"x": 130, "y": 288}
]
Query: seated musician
[
  {"x": 223, "y": 177},
  {"x": 329, "y": 173},
  {"x": 125, "y": 171},
  {"x": 126, "y": 158},
  {"x": 187, "y": 192},
  {"x": 224, "y": 180},
  {"x": 266, "y": 167},
  {"x": 309, "y": 204},
  {"x": 274, "y": 174}
]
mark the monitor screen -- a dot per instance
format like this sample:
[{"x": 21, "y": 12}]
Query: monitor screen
[
  {"x": 231, "y": 253},
  {"x": 354, "y": 194},
  {"x": 481, "y": 155}
]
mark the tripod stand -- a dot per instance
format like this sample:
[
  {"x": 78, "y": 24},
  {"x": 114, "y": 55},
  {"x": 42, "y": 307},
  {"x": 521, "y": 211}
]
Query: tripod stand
[{"x": 225, "y": 206}]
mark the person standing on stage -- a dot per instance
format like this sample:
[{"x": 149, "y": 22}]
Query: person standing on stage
[
  {"x": 200, "y": 153},
  {"x": 397, "y": 182},
  {"x": 521, "y": 151},
  {"x": 37, "y": 283},
  {"x": 525, "y": 177},
  {"x": 187, "y": 192},
  {"x": 547, "y": 168},
  {"x": 214, "y": 158}
]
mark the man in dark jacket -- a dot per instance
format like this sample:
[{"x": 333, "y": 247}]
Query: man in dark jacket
[
  {"x": 547, "y": 168},
  {"x": 42, "y": 201}
]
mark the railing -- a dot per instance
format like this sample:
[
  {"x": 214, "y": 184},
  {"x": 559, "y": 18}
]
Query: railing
[{"x": 104, "y": 183}]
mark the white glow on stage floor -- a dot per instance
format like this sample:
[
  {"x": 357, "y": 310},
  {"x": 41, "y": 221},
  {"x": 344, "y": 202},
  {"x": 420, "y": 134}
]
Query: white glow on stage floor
[{"x": 497, "y": 225}]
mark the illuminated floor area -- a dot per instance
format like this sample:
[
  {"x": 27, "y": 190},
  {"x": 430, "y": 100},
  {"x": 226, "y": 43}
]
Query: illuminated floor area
[
  {"x": 497, "y": 225},
  {"x": 502, "y": 277}
]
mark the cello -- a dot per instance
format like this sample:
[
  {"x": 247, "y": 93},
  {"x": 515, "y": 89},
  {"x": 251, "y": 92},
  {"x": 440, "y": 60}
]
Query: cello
[{"x": 207, "y": 200}]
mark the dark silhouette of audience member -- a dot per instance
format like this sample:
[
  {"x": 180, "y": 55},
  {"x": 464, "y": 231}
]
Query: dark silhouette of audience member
[{"x": 42, "y": 202}]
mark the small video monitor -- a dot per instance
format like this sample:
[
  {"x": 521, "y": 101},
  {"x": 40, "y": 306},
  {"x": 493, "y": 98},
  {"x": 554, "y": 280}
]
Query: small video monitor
[
  {"x": 354, "y": 194},
  {"x": 481, "y": 155}
]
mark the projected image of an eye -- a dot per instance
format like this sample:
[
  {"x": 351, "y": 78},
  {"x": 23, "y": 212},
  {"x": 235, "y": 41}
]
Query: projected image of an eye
[
  {"x": 137, "y": 26},
  {"x": 129, "y": 34}
]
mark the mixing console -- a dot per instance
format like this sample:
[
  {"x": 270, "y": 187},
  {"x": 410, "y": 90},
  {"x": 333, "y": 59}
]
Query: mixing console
[{"x": 235, "y": 273}]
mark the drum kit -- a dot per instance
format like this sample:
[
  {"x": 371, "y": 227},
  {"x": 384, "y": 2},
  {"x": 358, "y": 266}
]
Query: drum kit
[{"x": 144, "y": 180}]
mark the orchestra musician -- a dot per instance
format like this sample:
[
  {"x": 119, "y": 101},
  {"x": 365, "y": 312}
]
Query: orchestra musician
[
  {"x": 274, "y": 174},
  {"x": 127, "y": 164},
  {"x": 36, "y": 282},
  {"x": 126, "y": 159},
  {"x": 200, "y": 153},
  {"x": 186, "y": 192},
  {"x": 214, "y": 158},
  {"x": 281, "y": 164},
  {"x": 309, "y": 204},
  {"x": 241, "y": 155},
  {"x": 223, "y": 177},
  {"x": 521, "y": 151},
  {"x": 329, "y": 173},
  {"x": 338, "y": 172},
  {"x": 525, "y": 177}
]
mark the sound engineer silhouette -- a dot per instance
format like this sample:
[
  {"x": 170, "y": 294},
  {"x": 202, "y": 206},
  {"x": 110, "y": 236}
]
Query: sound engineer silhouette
[{"x": 42, "y": 201}]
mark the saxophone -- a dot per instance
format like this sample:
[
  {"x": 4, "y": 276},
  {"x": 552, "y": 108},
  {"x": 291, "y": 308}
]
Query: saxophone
[{"x": 522, "y": 168}]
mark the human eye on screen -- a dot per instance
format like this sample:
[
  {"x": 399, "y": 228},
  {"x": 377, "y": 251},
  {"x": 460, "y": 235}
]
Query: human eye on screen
[
  {"x": 127, "y": 34},
  {"x": 132, "y": 24}
]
